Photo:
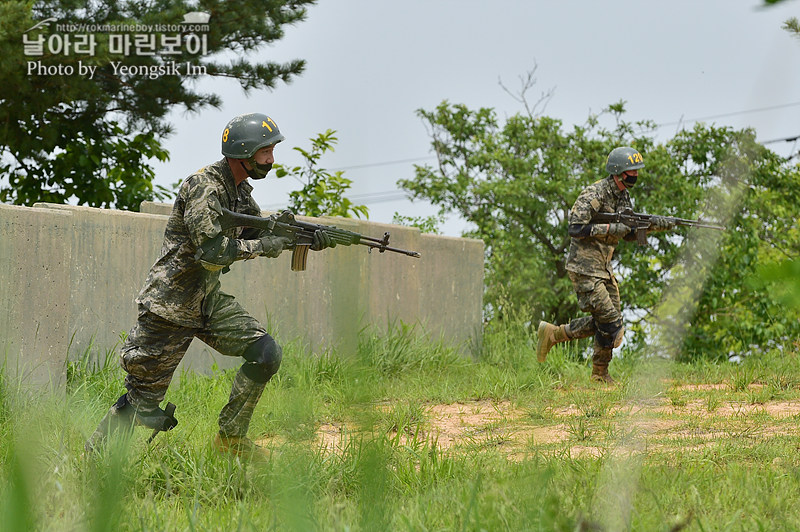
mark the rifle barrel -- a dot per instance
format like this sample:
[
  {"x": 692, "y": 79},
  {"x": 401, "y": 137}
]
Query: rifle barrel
[
  {"x": 695, "y": 223},
  {"x": 383, "y": 248}
]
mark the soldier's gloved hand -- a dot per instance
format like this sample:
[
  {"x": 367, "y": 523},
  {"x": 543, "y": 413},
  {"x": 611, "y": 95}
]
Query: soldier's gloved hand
[
  {"x": 661, "y": 223},
  {"x": 273, "y": 245},
  {"x": 618, "y": 229},
  {"x": 321, "y": 240}
]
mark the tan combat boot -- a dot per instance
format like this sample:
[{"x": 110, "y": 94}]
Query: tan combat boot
[
  {"x": 600, "y": 361},
  {"x": 549, "y": 335},
  {"x": 600, "y": 374},
  {"x": 240, "y": 446}
]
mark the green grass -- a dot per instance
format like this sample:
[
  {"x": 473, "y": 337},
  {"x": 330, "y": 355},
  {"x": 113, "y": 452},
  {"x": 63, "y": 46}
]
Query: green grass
[{"x": 713, "y": 458}]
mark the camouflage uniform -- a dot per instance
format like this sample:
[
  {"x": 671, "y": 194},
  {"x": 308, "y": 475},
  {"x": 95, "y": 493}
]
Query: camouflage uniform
[
  {"x": 181, "y": 298},
  {"x": 589, "y": 264},
  {"x": 589, "y": 268}
]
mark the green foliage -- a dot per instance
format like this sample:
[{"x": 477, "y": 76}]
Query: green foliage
[
  {"x": 92, "y": 139},
  {"x": 426, "y": 224},
  {"x": 323, "y": 192},
  {"x": 516, "y": 180},
  {"x": 780, "y": 279},
  {"x": 733, "y": 314},
  {"x": 792, "y": 25}
]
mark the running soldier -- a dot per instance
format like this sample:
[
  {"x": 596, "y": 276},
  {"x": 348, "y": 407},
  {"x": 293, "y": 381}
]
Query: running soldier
[
  {"x": 591, "y": 248},
  {"x": 181, "y": 298}
]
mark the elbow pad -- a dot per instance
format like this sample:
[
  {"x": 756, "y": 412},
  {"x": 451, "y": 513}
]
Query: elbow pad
[
  {"x": 216, "y": 253},
  {"x": 581, "y": 230}
]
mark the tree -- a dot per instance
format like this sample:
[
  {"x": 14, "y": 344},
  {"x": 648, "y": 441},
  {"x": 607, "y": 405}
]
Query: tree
[
  {"x": 426, "y": 224},
  {"x": 792, "y": 25},
  {"x": 323, "y": 192},
  {"x": 782, "y": 276},
  {"x": 85, "y": 125},
  {"x": 517, "y": 180}
]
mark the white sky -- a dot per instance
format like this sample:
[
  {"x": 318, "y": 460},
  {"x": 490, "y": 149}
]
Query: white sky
[{"x": 372, "y": 64}]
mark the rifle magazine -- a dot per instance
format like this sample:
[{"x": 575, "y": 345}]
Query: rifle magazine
[{"x": 299, "y": 257}]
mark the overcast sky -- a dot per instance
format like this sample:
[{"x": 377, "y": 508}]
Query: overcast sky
[{"x": 372, "y": 63}]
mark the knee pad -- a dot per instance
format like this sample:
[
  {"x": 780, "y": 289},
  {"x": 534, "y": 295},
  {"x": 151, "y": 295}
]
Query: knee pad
[
  {"x": 263, "y": 359},
  {"x": 609, "y": 334},
  {"x": 620, "y": 336}
]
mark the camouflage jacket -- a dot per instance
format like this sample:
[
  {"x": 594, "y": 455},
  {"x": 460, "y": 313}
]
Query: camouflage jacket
[
  {"x": 591, "y": 255},
  {"x": 178, "y": 283}
]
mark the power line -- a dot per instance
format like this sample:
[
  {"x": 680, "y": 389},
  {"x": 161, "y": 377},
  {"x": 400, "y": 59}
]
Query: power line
[
  {"x": 367, "y": 198},
  {"x": 734, "y": 113},
  {"x": 785, "y": 139},
  {"x": 384, "y": 163},
  {"x": 682, "y": 121},
  {"x": 396, "y": 195},
  {"x": 380, "y": 197}
]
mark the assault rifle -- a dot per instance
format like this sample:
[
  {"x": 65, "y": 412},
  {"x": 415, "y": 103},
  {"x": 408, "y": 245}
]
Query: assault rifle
[
  {"x": 642, "y": 222},
  {"x": 302, "y": 234}
]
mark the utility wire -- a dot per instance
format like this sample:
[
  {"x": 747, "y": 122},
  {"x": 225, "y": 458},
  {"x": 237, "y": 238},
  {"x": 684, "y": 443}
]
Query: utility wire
[
  {"x": 682, "y": 121},
  {"x": 734, "y": 113},
  {"x": 785, "y": 139},
  {"x": 384, "y": 163},
  {"x": 396, "y": 195}
]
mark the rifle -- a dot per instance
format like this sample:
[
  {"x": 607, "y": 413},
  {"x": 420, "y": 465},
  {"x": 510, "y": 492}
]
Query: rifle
[
  {"x": 641, "y": 222},
  {"x": 302, "y": 234}
]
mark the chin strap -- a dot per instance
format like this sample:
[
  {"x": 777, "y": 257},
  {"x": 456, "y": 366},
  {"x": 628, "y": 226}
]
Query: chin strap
[{"x": 257, "y": 171}]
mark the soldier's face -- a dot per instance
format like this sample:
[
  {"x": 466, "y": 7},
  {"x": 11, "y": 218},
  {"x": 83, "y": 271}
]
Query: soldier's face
[
  {"x": 629, "y": 177},
  {"x": 264, "y": 155}
]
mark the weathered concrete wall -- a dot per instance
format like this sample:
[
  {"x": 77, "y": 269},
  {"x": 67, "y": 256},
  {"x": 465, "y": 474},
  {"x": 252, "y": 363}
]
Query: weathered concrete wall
[
  {"x": 34, "y": 293},
  {"x": 70, "y": 276}
]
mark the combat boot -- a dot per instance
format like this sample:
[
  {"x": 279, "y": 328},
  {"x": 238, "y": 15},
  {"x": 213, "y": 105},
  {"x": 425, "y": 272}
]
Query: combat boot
[
  {"x": 122, "y": 417},
  {"x": 600, "y": 374},
  {"x": 119, "y": 419},
  {"x": 600, "y": 361},
  {"x": 549, "y": 335},
  {"x": 240, "y": 446}
]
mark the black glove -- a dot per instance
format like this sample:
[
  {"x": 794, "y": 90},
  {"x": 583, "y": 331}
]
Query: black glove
[
  {"x": 321, "y": 240},
  {"x": 273, "y": 245},
  {"x": 661, "y": 223},
  {"x": 618, "y": 230}
]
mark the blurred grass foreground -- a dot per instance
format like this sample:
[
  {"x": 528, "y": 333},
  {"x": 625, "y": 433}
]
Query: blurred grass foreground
[{"x": 405, "y": 433}]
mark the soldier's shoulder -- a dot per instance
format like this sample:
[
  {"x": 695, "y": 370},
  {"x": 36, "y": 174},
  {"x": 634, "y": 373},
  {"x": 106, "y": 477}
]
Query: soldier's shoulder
[
  {"x": 599, "y": 185},
  {"x": 592, "y": 191},
  {"x": 209, "y": 172},
  {"x": 205, "y": 177}
]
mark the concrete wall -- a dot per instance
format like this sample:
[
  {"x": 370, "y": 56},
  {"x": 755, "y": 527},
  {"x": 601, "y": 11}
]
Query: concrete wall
[{"x": 69, "y": 277}]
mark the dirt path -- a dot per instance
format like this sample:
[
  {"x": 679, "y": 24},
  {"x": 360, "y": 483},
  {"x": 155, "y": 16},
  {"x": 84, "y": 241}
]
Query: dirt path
[{"x": 661, "y": 425}]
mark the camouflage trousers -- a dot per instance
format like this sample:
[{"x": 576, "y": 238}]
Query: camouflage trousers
[
  {"x": 155, "y": 347},
  {"x": 600, "y": 298}
]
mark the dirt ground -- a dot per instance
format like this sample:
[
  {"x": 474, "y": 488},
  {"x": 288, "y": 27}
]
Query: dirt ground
[{"x": 658, "y": 425}]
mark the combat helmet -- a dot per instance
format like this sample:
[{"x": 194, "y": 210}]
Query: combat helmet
[
  {"x": 623, "y": 159},
  {"x": 245, "y": 135}
]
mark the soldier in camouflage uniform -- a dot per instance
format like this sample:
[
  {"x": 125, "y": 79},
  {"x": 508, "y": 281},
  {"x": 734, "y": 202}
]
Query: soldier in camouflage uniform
[
  {"x": 589, "y": 263},
  {"x": 181, "y": 298}
]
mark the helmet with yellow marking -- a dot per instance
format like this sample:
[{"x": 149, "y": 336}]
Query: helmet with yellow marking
[
  {"x": 623, "y": 159},
  {"x": 246, "y": 134}
]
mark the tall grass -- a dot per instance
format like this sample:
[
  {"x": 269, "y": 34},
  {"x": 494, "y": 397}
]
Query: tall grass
[{"x": 388, "y": 472}]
